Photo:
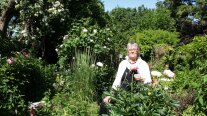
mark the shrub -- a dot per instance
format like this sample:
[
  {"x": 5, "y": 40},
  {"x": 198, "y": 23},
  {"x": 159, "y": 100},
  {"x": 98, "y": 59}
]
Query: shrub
[
  {"x": 148, "y": 38},
  {"x": 103, "y": 80},
  {"x": 142, "y": 100},
  {"x": 65, "y": 104},
  {"x": 23, "y": 79},
  {"x": 186, "y": 55},
  {"x": 83, "y": 36}
]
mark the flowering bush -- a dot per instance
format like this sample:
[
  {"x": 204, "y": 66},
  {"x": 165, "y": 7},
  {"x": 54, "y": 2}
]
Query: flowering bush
[
  {"x": 82, "y": 36},
  {"x": 23, "y": 79}
]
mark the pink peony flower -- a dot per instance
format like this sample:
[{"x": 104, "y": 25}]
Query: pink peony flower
[
  {"x": 134, "y": 67},
  {"x": 10, "y": 60}
]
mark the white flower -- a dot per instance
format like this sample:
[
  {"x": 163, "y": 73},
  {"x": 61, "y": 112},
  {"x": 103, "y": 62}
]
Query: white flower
[
  {"x": 61, "y": 46},
  {"x": 55, "y": 12},
  {"x": 40, "y": 12},
  {"x": 56, "y": 50},
  {"x": 25, "y": 34},
  {"x": 51, "y": 9},
  {"x": 169, "y": 73},
  {"x": 104, "y": 47},
  {"x": 165, "y": 79},
  {"x": 26, "y": 41},
  {"x": 57, "y": 3},
  {"x": 93, "y": 65},
  {"x": 108, "y": 39},
  {"x": 85, "y": 30},
  {"x": 23, "y": 31},
  {"x": 37, "y": 5},
  {"x": 91, "y": 40},
  {"x": 36, "y": 14},
  {"x": 36, "y": 105},
  {"x": 65, "y": 37},
  {"x": 95, "y": 31},
  {"x": 99, "y": 64},
  {"x": 61, "y": 82},
  {"x": 59, "y": 10},
  {"x": 165, "y": 88},
  {"x": 62, "y": 19},
  {"x": 156, "y": 73}
]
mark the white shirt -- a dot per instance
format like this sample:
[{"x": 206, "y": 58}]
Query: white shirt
[{"x": 143, "y": 69}]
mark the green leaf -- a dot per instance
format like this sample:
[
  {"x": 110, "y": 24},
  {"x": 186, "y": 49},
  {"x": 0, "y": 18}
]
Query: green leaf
[
  {"x": 201, "y": 100},
  {"x": 205, "y": 78}
]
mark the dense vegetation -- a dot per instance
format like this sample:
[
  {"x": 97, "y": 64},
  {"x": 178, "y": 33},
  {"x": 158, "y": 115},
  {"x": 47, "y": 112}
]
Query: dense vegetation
[{"x": 66, "y": 53}]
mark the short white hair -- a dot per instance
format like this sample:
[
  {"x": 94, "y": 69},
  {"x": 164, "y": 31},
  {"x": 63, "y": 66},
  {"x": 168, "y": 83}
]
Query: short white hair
[{"x": 132, "y": 44}]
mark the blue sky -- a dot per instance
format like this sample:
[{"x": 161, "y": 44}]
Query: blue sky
[{"x": 110, "y": 4}]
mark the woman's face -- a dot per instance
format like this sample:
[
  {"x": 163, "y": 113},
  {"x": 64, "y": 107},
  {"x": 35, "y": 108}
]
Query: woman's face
[{"x": 132, "y": 53}]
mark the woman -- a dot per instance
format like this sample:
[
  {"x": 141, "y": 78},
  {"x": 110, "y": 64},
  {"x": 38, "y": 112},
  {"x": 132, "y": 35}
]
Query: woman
[{"x": 132, "y": 68}]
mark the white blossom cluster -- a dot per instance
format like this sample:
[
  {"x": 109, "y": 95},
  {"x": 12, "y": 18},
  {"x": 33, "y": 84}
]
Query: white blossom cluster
[{"x": 56, "y": 8}]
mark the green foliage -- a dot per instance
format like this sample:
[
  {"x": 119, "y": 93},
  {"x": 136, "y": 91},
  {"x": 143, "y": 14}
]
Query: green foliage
[
  {"x": 190, "y": 65},
  {"x": 39, "y": 25},
  {"x": 65, "y": 104},
  {"x": 149, "y": 38},
  {"x": 127, "y": 22},
  {"x": 142, "y": 100},
  {"x": 142, "y": 19},
  {"x": 81, "y": 80},
  {"x": 83, "y": 36},
  {"x": 3, "y": 4},
  {"x": 104, "y": 79},
  {"x": 186, "y": 55},
  {"x": 190, "y": 16},
  {"x": 191, "y": 112},
  {"x": 23, "y": 79},
  {"x": 155, "y": 19},
  {"x": 186, "y": 79},
  {"x": 77, "y": 85},
  {"x": 201, "y": 103}
]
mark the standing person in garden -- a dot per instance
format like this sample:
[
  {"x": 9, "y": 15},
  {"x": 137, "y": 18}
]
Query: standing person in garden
[{"x": 132, "y": 68}]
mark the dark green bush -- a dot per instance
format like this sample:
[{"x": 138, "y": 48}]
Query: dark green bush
[
  {"x": 190, "y": 67},
  {"x": 142, "y": 100},
  {"x": 23, "y": 80}
]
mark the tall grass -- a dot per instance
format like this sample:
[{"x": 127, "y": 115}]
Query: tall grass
[
  {"x": 83, "y": 75},
  {"x": 78, "y": 93}
]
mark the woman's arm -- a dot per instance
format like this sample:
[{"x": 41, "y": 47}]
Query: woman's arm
[{"x": 120, "y": 72}]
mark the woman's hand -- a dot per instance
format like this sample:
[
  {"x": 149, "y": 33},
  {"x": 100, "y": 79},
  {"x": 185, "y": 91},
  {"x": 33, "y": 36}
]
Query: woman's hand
[
  {"x": 107, "y": 99},
  {"x": 138, "y": 77}
]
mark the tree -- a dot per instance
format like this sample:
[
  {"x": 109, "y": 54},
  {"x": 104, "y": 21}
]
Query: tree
[
  {"x": 190, "y": 16},
  {"x": 40, "y": 25},
  {"x": 129, "y": 21}
]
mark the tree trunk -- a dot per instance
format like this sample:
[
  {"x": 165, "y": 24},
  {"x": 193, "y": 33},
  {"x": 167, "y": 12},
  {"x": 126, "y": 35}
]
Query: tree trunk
[{"x": 6, "y": 17}]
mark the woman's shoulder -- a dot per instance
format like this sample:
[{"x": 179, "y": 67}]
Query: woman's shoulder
[
  {"x": 123, "y": 62},
  {"x": 141, "y": 61}
]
